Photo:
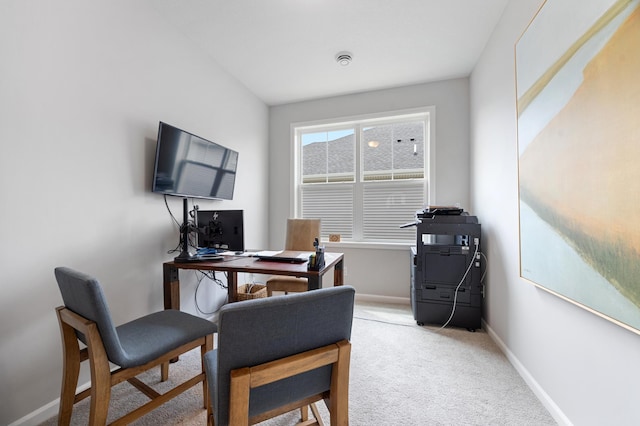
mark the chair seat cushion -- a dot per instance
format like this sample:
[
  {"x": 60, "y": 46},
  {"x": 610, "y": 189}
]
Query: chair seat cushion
[
  {"x": 274, "y": 395},
  {"x": 286, "y": 279},
  {"x": 286, "y": 284},
  {"x": 153, "y": 335}
]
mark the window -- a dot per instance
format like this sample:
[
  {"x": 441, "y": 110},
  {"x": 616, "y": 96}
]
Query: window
[{"x": 365, "y": 177}]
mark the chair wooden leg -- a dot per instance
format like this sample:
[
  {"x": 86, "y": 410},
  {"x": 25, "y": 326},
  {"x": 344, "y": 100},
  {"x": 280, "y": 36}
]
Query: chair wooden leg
[
  {"x": 339, "y": 401},
  {"x": 208, "y": 346},
  {"x": 164, "y": 371},
  {"x": 100, "y": 378},
  {"x": 70, "y": 371},
  {"x": 316, "y": 420},
  {"x": 68, "y": 393},
  {"x": 316, "y": 414}
]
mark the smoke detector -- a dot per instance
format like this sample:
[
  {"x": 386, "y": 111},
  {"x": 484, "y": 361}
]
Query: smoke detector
[{"x": 344, "y": 58}]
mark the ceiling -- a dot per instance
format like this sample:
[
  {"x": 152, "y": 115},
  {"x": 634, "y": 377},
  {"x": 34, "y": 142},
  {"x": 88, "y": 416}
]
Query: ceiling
[{"x": 284, "y": 50}]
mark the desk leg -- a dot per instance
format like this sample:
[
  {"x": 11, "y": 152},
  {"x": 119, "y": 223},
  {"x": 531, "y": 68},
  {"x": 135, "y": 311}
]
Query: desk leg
[
  {"x": 338, "y": 273},
  {"x": 314, "y": 282},
  {"x": 171, "y": 287},
  {"x": 232, "y": 286}
]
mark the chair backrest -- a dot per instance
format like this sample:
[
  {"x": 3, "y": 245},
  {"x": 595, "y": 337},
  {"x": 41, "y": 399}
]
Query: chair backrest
[
  {"x": 262, "y": 330},
  {"x": 83, "y": 295},
  {"x": 301, "y": 234}
]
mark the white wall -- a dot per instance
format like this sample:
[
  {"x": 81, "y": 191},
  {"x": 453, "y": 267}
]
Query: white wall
[
  {"x": 585, "y": 368},
  {"x": 82, "y": 88},
  {"x": 390, "y": 277}
]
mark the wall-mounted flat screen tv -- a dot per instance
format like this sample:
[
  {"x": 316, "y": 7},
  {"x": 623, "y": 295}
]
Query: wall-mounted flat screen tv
[{"x": 190, "y": 166}]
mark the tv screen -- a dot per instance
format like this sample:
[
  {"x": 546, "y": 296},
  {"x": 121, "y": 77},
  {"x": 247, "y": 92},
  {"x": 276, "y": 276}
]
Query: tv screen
[
  {"x": 190, "y": 166},
  {"x": 221, "y": 229}
]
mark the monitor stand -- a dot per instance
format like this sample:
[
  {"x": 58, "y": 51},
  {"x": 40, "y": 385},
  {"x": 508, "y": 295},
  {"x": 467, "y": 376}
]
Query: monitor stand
[{"x": 185, "y": 256}]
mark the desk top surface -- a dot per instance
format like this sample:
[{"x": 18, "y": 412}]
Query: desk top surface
[{"x": 255, "y": 265}]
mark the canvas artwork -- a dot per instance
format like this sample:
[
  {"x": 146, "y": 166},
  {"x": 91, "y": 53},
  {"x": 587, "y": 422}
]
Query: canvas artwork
[{"x": 578, "y": 103}]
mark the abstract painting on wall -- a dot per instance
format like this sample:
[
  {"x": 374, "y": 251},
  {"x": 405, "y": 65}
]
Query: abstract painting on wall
[{"x": 578, "y": 103}]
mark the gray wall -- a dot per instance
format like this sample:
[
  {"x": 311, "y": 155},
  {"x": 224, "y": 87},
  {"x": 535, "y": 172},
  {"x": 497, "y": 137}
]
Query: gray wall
[
  {"x": 82, "y": 88},
  {"x": 390, "y": 277},
  {"x": 583, "y": 367}
]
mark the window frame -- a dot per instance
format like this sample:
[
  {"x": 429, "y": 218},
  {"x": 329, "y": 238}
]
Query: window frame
[{"x": 360, "y": 121}]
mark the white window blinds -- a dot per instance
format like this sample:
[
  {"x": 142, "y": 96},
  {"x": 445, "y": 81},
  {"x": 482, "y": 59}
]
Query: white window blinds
[
  {"x": 386, "y": 206},
  {"x": 364, "y": 178},
  {"x": 333, "y": 204}
]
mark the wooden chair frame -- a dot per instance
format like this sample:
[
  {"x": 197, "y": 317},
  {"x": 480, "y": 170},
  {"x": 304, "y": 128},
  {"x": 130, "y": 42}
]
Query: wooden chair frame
[
  {"x": 336, "y": 399},
  {"x": 299, "y": 237},
  {"x": 102, "y": 378}
]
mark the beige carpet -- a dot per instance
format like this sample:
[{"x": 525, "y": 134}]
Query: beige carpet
[{"x": 401, "y": 374}]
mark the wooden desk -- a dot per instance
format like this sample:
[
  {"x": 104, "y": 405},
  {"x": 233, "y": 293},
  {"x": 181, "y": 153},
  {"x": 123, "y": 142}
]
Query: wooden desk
[{"x": 234, "y": 264}]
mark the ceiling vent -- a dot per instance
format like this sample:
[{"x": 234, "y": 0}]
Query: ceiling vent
[{"x": 344, "y": 58}]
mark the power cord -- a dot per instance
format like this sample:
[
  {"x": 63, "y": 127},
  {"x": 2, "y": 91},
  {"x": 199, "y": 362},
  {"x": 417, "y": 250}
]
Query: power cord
[
  {"x": 192, "y": 242},
  {"x": 455, "y": 295},
  {"x": 166, "y": 203},
  {"x": 211, "y": 275}
]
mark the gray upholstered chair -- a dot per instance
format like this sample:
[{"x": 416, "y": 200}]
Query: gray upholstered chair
[
  {"x": 301, "y": 233},
  {"x": 279, "y": 354},
  {"x": 134, "y": 347}
]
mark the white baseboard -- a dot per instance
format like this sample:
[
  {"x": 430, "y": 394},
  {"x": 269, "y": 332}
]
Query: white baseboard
[
  {"x": 382, "y": 299},
  {"x": 38, "y": 416},
  {"x": 45, "y": 412},
  {"x": 544, "y": 398}
]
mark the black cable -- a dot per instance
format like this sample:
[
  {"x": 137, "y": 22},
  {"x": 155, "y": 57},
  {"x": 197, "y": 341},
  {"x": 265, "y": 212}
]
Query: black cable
[
  {"x": 211, "y": 275},
  {"x": 192, "y": 242},
  {"x": 455, "y": 293},
  {"x": 178, "y": 248},
  {"x": 195, "y": 297},
  {"x": 166, "y": 203}
]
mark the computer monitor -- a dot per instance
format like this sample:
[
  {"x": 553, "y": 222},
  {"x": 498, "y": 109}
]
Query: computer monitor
[{"x": 222, "y": 230}]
